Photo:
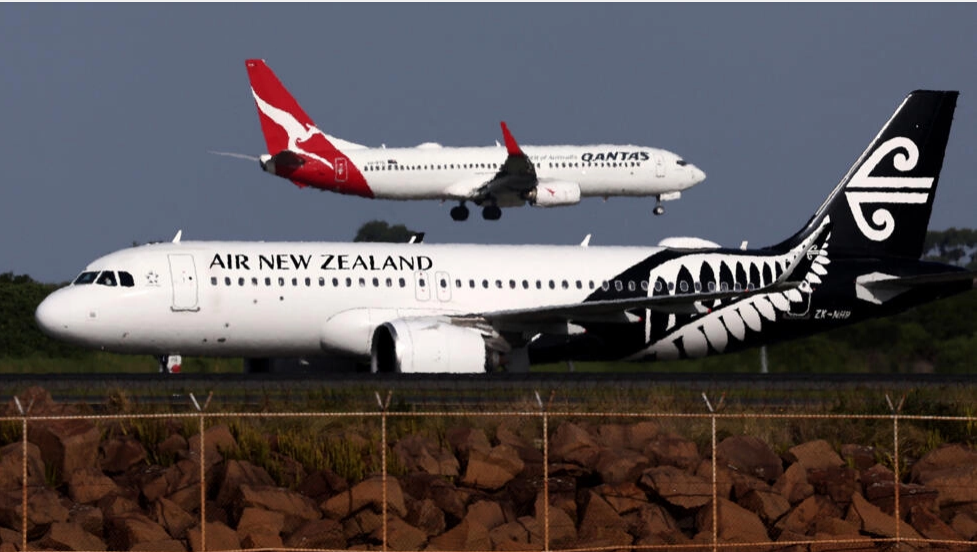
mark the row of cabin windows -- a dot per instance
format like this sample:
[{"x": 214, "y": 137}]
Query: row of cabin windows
[
  {"x": 618, "y": 285},
  {"x": 450, "y": 166}
]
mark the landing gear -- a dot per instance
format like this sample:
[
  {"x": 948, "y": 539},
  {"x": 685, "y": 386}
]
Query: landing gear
[
  {"x": 460, "y": 212},
  {"x": 659, "y": 208},
  {"x": 492, "y": 212},
  {"x": 169, "y": 364}
]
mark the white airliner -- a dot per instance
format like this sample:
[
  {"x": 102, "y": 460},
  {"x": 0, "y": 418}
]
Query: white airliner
[
  {"x": 471, "y": 308},
  {"x": 491, "y": 177}
]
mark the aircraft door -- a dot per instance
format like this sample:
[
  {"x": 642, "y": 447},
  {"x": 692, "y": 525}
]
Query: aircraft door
[
  {"x": 422, "y": 286},
  {"x": 340, "y": 169},
  {"x": 443, "y": 283},
  {"x": 659, "y": 166},
  {"x": 183, "y": 276},
  {"x": 801, "y": 309}
]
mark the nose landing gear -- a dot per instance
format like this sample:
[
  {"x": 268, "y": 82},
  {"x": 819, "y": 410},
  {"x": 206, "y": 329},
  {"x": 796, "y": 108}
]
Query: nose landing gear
[{"x": 659, "y": 208}]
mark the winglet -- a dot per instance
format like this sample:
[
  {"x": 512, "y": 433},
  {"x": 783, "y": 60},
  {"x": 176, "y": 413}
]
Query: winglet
[{"x": 511, "y": 146}]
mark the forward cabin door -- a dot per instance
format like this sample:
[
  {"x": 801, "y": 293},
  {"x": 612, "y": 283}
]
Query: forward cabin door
[{"x": 183, "y": 275}]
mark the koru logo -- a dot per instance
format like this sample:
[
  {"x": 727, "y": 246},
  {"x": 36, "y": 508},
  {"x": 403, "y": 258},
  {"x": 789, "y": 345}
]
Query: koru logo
[{"x": 863, "y": 188}]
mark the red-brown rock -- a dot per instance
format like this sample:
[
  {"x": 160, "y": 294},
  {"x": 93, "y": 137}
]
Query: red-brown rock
[
  {"x": 418, "y": 453},
  {"x": 322, "y": 484},
  {"x": 121, "y": 453},
  {"x": 130, "y": 529},
  {"x": 930, "y": 525},
  {"x": 169, "y": 545},
  {"x": 861, "y": 457},
  {"x": 815, "y": 455},
  {"x": 623, "y": 497},
  {"x": 838, "y": 483},
  {"x": 620, "y": 465},
  {"x": 66, "y": 445},
  {"x": 747, "y": 454},
  {"x": 486, "y": 513},
  {"x": 510, "y": 536},
  {"x": 366, "y": 493},
  {"x": 90, "y": 518},
  {"x": 651, "y": 523},
  {"x": 878, "y": 483},
  {"x": 296, "y": 509},
  {"x": 262, "y": 540},
  {"x": 43, "y": 509},
  {"x": 965, "y": 524},
  {"x": 256, "y": 521},
  {"x": 571, "y": 443},
  {"x": 467, "y": 535},
  {"x": 870, "y": 519},
  {"x": 12, "y": 468},
  {"x": 174, "y": 519},
  {"x": 70, "y": 536},
  {"x": 677, "y": 486},
  {"x": 217, "y": 438},
  {"x": 463, "y": 439},
  {"x": 804, "y": 517},
  {"x": 735, "y": 523},
  {"x": 402, "y": 535},
  {"x": 641, "y": 433},
  {"x": 669, "y": 449},
  {"x": 951, "y": 470},
  {"x": 238, "y": 473},
  {"x": 492, "y": 469},
  {"x": 320, "y": 533},
  {"x": 600, "y": 525},
  {"x": 446, "y": 496},
  {"x": 426, "y": 516},
  {"x": 793, "y": 484},
  {"x": 218, "y": 537},
  {"x": 90, "y": 485},
  {"x": 768, "y": 505}
]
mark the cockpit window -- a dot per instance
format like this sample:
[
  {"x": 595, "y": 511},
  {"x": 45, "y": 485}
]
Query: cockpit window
[
  {"x": 682, "y": 162},
  {"x": 125, "y": 279},
  {"x": 106, "y": 278},
  {"x": 85, "y": 278}
]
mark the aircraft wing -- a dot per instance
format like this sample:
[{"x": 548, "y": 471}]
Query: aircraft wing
[
  {"x": 515, "y": 177},
  {"x": 678, "y": 303}
]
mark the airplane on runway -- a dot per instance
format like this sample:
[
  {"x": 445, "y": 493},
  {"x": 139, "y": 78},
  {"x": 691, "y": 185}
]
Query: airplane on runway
[
  {"x": 490, "y": 177},
  {"x": 476, "y": 308}
]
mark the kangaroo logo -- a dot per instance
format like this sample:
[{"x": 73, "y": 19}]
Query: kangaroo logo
[
  {"x": 298, "y": 133},
  {"x": 862, "y": 188}
]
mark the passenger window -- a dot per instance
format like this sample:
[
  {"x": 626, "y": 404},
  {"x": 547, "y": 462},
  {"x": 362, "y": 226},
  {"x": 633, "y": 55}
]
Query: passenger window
[
  {"x": 349, "y": 282},
  {"x": 308, "y": 282},
  {"x": 267, "y": 281},
  {"x": 471, "y": 284},
  {"x": 498, "y": 284},
  {"x": 485, "y": 284},
  {"x": 671, "y": 287},
  {"x": 390, "y": 282},
  {"x": 419, "y": 282},
  {"x": 335, "y": 282},
  {"x": 376, "y": 282},
  {"x": 525, "y": 284},
  {"x": 724, "y": 286},
  {"x": 281, "y": 281},
  {"x": 457, "y": 283},
  {"x": 618, "y": 285},
  {"x": 254, "y": 281},
  {"x": 295, "y": 282},
  {"x": 512, "y": 284},
  {"x": 712, "y": 286},
  {"x": 402, "y": 282},
  {"x": 106, "y": 278},
  {"x": 590, "y": 284},
  {"x": 579, "y": 284},
  {"x": 322, "y": 282},
  {"x": 443, "y": 283},
  {"x": 240, "y": 282},
  {"x": 539, "y": 284},
  {"x": 750, "y": 287},
  {"x": 658, "y": 286},
  {"x": 631, "y": 286},
  {"x": 125, "y": 279},
  {"x": 698, "y": 287},
  {"x": 552, "y": 284},
  {"x": 683, "y": 286},
  {"x": 213, "y": 280},
  {"x": 605, "y": 285},
  {"x": 737, "y": 287},
  {"x": 227, "y": 280},
  {"x": 565, "y": 285}
]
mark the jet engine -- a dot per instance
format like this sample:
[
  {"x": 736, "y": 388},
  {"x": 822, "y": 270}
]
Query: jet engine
[
  {"x": 554, "y": 194},
  {"x": 428, "y": 346}
]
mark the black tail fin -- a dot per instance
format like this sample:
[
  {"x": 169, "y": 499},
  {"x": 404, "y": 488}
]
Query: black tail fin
[{"x": 881, "y": 208}]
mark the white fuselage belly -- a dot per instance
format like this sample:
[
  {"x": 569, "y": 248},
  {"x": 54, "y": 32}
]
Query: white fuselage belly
[
  {"x": 439, "y": 172},
  {"x": 266, "y": 299}
]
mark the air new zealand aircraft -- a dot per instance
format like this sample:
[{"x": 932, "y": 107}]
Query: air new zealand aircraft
[{"x": 471, "y": 308}]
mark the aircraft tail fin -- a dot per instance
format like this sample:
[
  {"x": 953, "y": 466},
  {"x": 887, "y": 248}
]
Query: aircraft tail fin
[{"x": 882, "y": 206}]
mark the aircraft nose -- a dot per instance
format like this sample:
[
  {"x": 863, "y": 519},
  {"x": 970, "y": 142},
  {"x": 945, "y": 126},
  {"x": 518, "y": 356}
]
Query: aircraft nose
[
  {"x": 53, "y": 315},
  {"x": 698, "y": 175}
]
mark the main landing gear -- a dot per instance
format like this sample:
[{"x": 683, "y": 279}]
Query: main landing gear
[
  {"x": 460, "y": 212},
  {"x": 659, "y": 208},
  {"x": 492, "y": 212}
]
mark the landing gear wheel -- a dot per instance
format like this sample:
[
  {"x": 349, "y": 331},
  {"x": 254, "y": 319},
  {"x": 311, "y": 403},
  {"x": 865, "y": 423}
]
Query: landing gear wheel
[
  {"x": 492, "y": 212},
  {"x": 459, "y": 213},
  {"x": 658, "y": 210}
]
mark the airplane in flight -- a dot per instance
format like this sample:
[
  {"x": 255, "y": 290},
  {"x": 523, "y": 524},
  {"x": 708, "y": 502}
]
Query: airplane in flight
[
  {"x": 490, "y": 177},
  {"x": 475, "y": 308}
]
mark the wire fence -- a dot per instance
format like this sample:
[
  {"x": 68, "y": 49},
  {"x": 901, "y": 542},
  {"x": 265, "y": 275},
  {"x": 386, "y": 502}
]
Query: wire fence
[{"x": 539, "y": 478}]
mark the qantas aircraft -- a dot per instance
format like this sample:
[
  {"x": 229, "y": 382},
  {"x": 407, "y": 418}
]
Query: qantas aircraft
[
  {"x": 490, "y": 177},
  {"x": 471, "y": 308}
]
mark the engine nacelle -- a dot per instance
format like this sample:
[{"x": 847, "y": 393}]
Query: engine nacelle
[
  {"x": 428, "y": 345},
  {"x": 554, "y": 194}
]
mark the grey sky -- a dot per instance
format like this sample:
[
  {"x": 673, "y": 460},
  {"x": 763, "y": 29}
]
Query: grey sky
[{"x": 108, "y": 112}]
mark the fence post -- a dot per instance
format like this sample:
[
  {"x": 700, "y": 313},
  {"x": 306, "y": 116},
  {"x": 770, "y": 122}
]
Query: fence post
[
  {"x": 715, "y": 487},
  {"x": 546, "y": 471},
  {"x": 24, "y": 474},
  {"x": 203, "y": 471},
  {"x": 383, "y": 463},
  {"x": 895, "y": 468}
]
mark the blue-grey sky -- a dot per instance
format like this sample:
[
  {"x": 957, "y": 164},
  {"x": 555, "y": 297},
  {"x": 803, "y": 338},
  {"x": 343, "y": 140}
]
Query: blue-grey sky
[{"x": 108, "y": 112}]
